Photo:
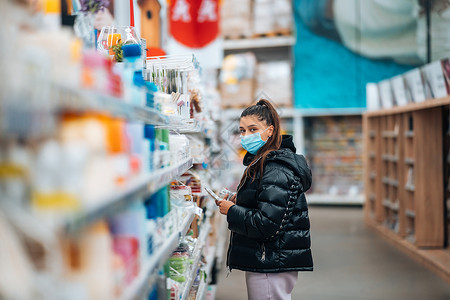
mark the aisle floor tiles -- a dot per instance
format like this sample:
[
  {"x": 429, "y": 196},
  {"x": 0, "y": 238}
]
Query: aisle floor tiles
[{"x": 351, "y": 262}]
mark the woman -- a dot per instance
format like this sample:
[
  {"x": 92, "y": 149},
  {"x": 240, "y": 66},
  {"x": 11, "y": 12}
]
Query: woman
[{"x": 268, "y": 217}]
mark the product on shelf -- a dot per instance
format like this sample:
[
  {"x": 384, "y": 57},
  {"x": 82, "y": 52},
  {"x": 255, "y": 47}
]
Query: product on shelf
[
  {"x": 334, "y": 151},
  {"x": 237, "y": 79},
  {"x": 236, "y": 18},
  {"x": 89, "y": 147},
  {"x": 273, "y": 82}
]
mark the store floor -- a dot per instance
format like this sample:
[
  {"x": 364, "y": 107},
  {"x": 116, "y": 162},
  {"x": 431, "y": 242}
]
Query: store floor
[{"x": 351, "y": 263}]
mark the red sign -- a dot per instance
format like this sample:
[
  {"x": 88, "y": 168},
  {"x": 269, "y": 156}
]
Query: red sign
[{"x": 194, "y": 23}]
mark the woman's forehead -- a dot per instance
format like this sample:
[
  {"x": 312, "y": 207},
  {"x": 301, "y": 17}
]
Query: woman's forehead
[{"x": 251, "y": 120}]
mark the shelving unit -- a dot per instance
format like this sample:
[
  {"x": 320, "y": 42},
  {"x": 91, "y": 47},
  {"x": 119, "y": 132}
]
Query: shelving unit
[
  {"x": 140, "y": 283},
  {"x": 265, "y": 42},
  {"x": 197, "y": 255},
  {"x": 405, "y": 148},
  {"x": 116, "y": 200}
]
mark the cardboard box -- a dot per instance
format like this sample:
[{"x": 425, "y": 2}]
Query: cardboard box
[{"x": 238, "y": 94}]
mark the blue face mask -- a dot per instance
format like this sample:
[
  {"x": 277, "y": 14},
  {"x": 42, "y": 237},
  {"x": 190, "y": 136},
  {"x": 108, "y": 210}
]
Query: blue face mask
[{"x": 253, "y": 142}]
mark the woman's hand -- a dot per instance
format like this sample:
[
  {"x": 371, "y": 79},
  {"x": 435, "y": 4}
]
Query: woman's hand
[
  {"x": 224, "y": 206},
  {"x": 233, "y": 198}
]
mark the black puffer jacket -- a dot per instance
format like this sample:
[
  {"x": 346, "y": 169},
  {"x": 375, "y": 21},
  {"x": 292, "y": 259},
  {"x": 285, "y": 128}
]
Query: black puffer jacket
[{"x": 269, "y": 223}]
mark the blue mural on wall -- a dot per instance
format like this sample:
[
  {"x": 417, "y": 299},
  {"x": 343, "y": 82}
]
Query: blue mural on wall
[{"x": 326, "y": 73}]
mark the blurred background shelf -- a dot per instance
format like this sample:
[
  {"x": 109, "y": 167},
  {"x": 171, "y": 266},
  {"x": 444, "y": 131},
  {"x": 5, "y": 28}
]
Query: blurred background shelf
[{"x": 259, "y": 42}]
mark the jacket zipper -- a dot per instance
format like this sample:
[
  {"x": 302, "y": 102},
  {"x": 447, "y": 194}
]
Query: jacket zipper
[{"x": 231, "y": 236}]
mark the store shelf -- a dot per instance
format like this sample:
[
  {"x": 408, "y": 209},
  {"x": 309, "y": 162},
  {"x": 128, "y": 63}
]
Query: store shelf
[
  {"x": 430, "y": 103},
  {"x": 201, "y": 290},
  {"x": 324, "y": 199},
  {"x": 41, "y": 121},
  {"x": 116, "y": 200},
  {"x": 389, "y": 157},
  {"x": 82, "y": 100},
  {"x": 265, "y": 42},
  {"x": 389, "y": 134},
  {"x": 197, "y": 255},
  {"x": 162, "y": 254},
  {"x": 391, "y": 205},
  {"x": 389, "y": 181}
]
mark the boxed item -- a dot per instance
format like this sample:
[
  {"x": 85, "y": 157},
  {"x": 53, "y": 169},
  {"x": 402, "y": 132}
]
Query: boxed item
[
  {"x": 273, "y": 81},
  {"x": 263, "y": 17},
  {"x": 237, "y": 94},
  {"x": 237, "y": 80},
  {"x": 282, "y": 10},
  {"x": 236, "y": 18}
]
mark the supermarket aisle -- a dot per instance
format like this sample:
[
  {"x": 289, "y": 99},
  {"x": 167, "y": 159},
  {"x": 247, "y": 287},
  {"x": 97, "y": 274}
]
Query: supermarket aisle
[{"x": 351, "y": 262}]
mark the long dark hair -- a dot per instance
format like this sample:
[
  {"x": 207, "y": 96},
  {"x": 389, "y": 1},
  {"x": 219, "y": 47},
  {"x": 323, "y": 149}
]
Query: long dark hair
[{"x": 264, "y": 111}]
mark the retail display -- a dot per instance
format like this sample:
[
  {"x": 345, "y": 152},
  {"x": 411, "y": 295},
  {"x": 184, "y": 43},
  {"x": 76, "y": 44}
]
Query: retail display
[
  {"x": 334, "y": 149},
  {"x": 430, "y": 81},
  {"x": 402, "y": 202},
  {"x": 100, "y": 176},
  {"x": 243, "y": 19},
  {"x": 273, "y": 79}
]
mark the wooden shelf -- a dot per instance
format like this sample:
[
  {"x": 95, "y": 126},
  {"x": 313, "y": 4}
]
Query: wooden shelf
[
  {"x": 417, "y": 215},
  {"x": 427, "y": 104},
  {"x": 389, "y": 134},
  {"x": 390, "y": 181},
  {"x": 436, "y": 260},
  {"x": 389, "y": 157},
  {"x": 252, "y": 43},
  {"x": 391, "y": 205}
]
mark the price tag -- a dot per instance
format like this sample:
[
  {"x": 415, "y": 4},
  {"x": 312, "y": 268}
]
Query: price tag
[
  {"x": 434, "y": 79},
  {"x": 387, "y": 100},
  {"x": 415, "y": 85},
  {"x": 198, "y": 211},
  {"x": 398, "y": 86},
  {"x": 372, "y": 96}
]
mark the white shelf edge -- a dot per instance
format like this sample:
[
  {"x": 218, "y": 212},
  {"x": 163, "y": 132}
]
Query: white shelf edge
[
  {"x": 162, "y": 254},
  {"x": 197, "y": 254},
  {"x": 201, "y": 290},
  {"x": 92, "y": 100},
  {"x": 263, "y": 42},
  {"x": 147, "y": 184},
  {"x": 334, "y": 199}
]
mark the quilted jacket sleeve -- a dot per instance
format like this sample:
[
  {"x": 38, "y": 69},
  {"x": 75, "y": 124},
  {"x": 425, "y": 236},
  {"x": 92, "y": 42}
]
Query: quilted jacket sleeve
[{"x": 266, "y": 220}]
